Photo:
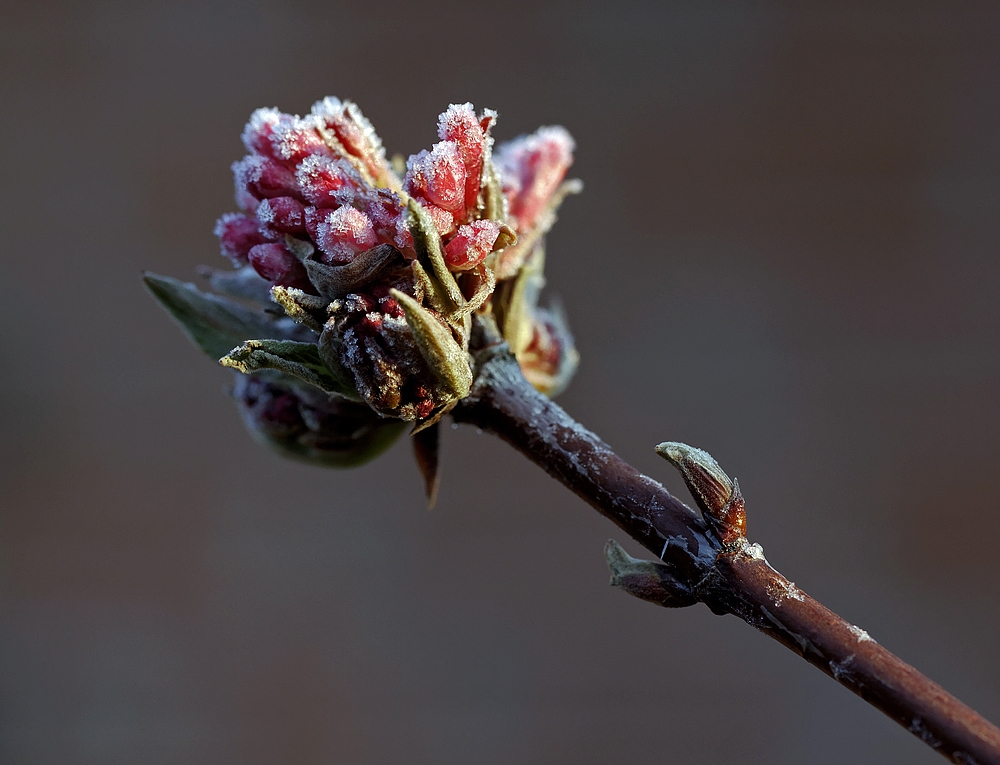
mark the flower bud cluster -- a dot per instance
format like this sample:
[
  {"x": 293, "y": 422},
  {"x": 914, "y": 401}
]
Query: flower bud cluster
[
  {"x": 447, "y": 179},
  {"x": 381, "y": 275},
  {"x": 324, "y": 216},
  {"x": 322, "y": 178}
]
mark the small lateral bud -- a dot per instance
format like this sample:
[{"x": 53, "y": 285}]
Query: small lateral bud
[
  {"x": 646, "y": 580},
  {"x": 716, "y": 494}
]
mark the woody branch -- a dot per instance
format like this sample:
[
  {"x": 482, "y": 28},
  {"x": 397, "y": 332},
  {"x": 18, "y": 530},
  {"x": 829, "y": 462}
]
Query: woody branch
[{"x": 707, "y": 558}]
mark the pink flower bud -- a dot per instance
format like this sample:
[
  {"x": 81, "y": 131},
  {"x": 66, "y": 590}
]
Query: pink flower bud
[
  {"x": 356, "y": 134},
  {"x": 470, "y": 134},
  {"x": 237, "y": 234},
  {"x": 387, "y": 214},
  {"x": 327, "y": 182},
  {"x": 471, "y": 244},
  {"x": 460, "y": 125},
  {"x": 275, "y": 263},
  {"x": 280, "y": 216},
  {"x": 257, "y": 133},
  {"x": 532, "y": 167},
  {"x": 438, "y": 176},
  {"x": 263, "y": 178},
  {"x": 295, "y": 139},
  {"x": 343, "y": 233}
]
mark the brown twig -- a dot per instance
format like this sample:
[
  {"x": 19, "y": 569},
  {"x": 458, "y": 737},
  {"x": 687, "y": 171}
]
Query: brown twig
[{"x": 701, "y": 559}]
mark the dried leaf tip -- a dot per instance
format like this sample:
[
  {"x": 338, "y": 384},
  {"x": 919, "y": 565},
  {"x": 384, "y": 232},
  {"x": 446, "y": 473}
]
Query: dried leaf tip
[
  {"x": 646, "y": 580},
  {"x": 426, "y": 449},
  {"x": 716, "y": 494}
]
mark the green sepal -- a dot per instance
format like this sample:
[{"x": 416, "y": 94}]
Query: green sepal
[
  {"x": 427, "y": 243},
  {"x": 337, "y": 281},
  {"x": 446, "y": 358},
  {"x": 299, "y": 360},
  {"x": 519, "y": 301},
  {"x": 213, "y": 323},
  {"x": 492, "y": 194},
  {"x": 303, "y": 308},
  {"x": 329, "y": 348}
]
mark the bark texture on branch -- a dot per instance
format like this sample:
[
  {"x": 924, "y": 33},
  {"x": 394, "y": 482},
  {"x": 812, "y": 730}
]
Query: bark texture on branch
[{"x": 697, "y": 566}]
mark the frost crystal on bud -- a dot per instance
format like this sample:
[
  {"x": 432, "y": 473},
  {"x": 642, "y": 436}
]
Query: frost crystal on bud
[
  {"x": 295, "y": 139},
  {"x": 346, "y": 128},
  {"x": 327, "y": 182},
  {"x": 471, "y": 136},
  {"x": 261, "y": 177},
  {"x": 438, "y": 176},
  {"x": 279, "y": 216},
  {"x": 258, "y": 131},
  {"x": 380, "y": 278}
]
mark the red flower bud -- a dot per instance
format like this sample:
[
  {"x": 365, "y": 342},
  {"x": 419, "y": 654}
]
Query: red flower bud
[
  {"x": 444, "y": 221},
  {"x": 295, "y": 139},
  {"x": 257, "y": 133},
  {"x": 387, "y": 214},
  {"x": 470, "y": 134},
  {"x": 263, "y": 178},
  {"x": 237, "y": 234},
  {"x": 343, "y": 233},
  {"x": 356, "y": 134},
  {"x": 471, "y": 244},
  {"x": 280, "y": 216},
  {"x": 327, "y": 182},
  {"x": 275, "y": 263},
  {"x": 532, "y": 167},
  {"x": 438, "y": 176}
]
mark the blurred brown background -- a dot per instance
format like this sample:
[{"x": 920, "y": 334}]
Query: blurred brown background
[{"x": 787, "y": 253}]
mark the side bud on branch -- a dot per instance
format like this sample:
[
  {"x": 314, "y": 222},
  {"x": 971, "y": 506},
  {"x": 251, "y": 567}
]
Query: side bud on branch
[
  {"x": 718, "y": 497},
  {"x": 646, "y": 580}
]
